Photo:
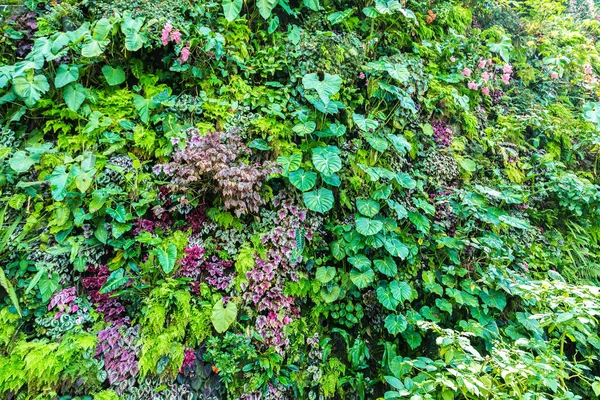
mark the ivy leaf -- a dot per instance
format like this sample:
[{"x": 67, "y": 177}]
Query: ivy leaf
[
  {"x": 59, "y": 180},
  {"x": 368, "y": 208},
  {"x": 115, "y": 280},
  {"x": 362, "y": 277},
  {"x": 223, "y": 317},
  {"x": 326, "y": 161},
  {"x": 364, "y": 124},
  {"x": 290, "y": 163},
  {"x": 114, "y": 76},
  {"x": 326, "y": 88},
  {"x": 303, "y": 180},
  {"x": 368, "y": 227},
  {"x": 167, "y": 257},
  {"x": 387, "y": 266},
  {"x": 74, "y": 96},
  {"x": 232, "y": 9},
  {"x": 320, "y": 200},
  {"x": 30, "y": 90},
  {"x": 396, "y": 324},
  {"x": 401, "y": 291},
  {"x": 65, "y": 75},
  {"x": 325, "y": 274},
  {"x": 386, "y": 298}
]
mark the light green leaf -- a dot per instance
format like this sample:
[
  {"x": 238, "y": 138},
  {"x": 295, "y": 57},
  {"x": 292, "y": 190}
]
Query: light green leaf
[
  {"x": 326, "y": 88},
  {"x": 74, "y": 96},
  {"x": 48, "y": 286},
  {"x": 368, "y": 208},
  {"x": 265, "y": 7},
  {"x": 396, "y": 248},
  {"x": 289, "y": 163},
  {"x": 305, "y": 128},
  {"x": 59, "y": 179},
  {"x": 232, "y": 9},
  {"x": 326, "y": 161},
  {"x": 21, "y": 162},
  {"x": 65, "y": 75},
  {"x": 8, "y": 287},
  {"x": 223, "y": 317},
  {"x": 167, "y": 257},
  {"x": 364, "y": 124},
  {"x": 420, "y": 221},
  {"x": 387, "y": 266},
  {"x": 515, "y": 222},
  {"x": 325, "y": 274},
  {"x": 401, "y": 290},
  {"x": 396, "y": 324},
  {"x": 115, "y": 280},
  {"x": 114, "y": 76},
  {"x": 320, "y": 200},
  {"x": 406, "y": 181},
  {"x": 303, "y": 180},
  {"x": 362, "y": 277},
  {"x": 134, "y": 37},
  {"x": 368, "y": 227},
  {"x": 386, "y": 298},
  {"x": 30, "y": 90},
  {"x": 312, "y": 4}
]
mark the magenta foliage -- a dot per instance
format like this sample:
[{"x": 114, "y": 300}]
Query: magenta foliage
[
  {"x": 62, "y": 298},
  {"x": 189, "y": 356},
  {"x": 119, "y": 349},
  {"x": 196, "y": 219},
  {"x": 212, "y": 271},
  {"x": 442, "y": 133},
  {"x": 218, "y": 158},
  {"x": 111, "y": 307}
]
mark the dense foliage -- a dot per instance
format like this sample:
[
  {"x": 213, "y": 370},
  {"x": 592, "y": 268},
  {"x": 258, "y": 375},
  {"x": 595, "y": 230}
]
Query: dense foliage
[{"x": 308, "y": 199}]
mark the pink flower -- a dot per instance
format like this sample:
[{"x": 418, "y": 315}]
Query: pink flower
[
  {"x": 174, "y": 140},
  {"x": 482, "y": 63},
  {"x": 466, "y": 72},
  {"x": 588, "y": 69},
  {"x": 506, "y": 78},
  {"x": 507, "y": 69},
  {"x": 361, "y": 75},
  {"x": 554, "y": 75},
  {"x": 176, "y": 36},
  {"x": 473, "y": 86},
  {"x": 165, "y": 33},
  {"x": 185, "y": 53},
  {"x": 485, "y": 76},
  {"x": 75, "y": 308},
  {"x": 485, "y": 90},
  {"x": 452, "y": 59}
]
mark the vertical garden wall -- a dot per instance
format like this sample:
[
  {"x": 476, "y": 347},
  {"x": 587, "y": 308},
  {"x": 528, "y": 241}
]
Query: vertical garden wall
[{"x": 314, "y": 199}]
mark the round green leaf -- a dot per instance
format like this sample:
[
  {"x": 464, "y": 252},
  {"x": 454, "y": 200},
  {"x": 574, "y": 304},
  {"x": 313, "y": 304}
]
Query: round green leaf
[
  {"x": 223, "y": 317},
  {"x": 396, "y": 248},
  {"x": 65, "y": 75},
  {"x": 305, "y": 128},
  {"x": 368, "y": 208},
  {"x": 330, "y": 293},
  {"x": 386, "y": 298},
  {"x": 401, "y": 291},
  {"x": 303, "y": 180},
  {"x": 325, "y": 274},
  {"x": 368, "y": 227},
  {"x": 114, "y": 76},
  {"x": 362, "y": 277},
  {"x": 232, "y": 9},
  {"x": 387, "y": 266},
  {"x": 326, "y": 161},
  {"x": 30, "y": 90},
  {"x": 320, "y": 200},
  {"x": 396, "y": 324}
]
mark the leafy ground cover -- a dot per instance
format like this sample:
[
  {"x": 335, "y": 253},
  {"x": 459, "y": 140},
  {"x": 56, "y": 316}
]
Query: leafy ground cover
[{"x": 310, "y": 199}]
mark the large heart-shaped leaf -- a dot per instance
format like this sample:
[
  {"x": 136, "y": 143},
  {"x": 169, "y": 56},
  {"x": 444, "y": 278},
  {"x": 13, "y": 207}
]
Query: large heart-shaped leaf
[
  {"x": 114, "y": 76},
  {"x": 326, "y": 88},
  {"x": 59, "y": 179},
  {"x": 368, "y": 208},
  {"x": 325, "y": 274},
  {"x": 265, "y": 7},
  {"x": 74, "y": 95},
  {"x": 387, "y": 266},
  {"x": 134, "y": 37},
  {"x": 326, "y": 161},
  {"x": 65, "y": 75},
  {"x": 232, "y": 9},
  {"x": 396, "y": 324},
  {"x": 289, "y": 163},
  {"x": 30, "y": 89},
  {"x": 320, "y": 200},
  {"x": 396, "y": 248},
  {"x": 222, "y": 317},
  {"x": 330, "y": 293},
  {"x": 362, "y": 277},
  {"x": 401, "y": 290},
  {"x": 364, "y": 124},
  {"x": 303, "y": 180},
  {"x": 406, "y": 181},
  {"x": 386, "y": 298},
  {"x": 368, "y": 227}
]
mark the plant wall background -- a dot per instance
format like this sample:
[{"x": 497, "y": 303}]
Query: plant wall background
[{"x": 309, "y": 199}]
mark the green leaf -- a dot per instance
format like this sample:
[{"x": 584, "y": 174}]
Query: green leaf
[
  {"x": 360, "y": 261},
  {"x": 142, "y": 105},
  {"x": 376, "y": 142},
  {"x": 312, "y": 4},
  {"x": 368, "y": 227},
  {"x": 398, "y": 72},
  {"x": 396, "y": 324},
  {"x": 8, "y": 287},
  {"x": 326, "y": 161},
  {"x": 364, "y": 124},
  {"x": 119, "y": 213},
  {"x": 116, "y": 280},
  {"x": 503, "y": 48},
  {"x": 65, "y": 75},
  {"x": 303, "y": 180},
  {"x": 167, "y": 257},
  {"x": 337, "y": 249},
  {"x": 330, "y": 293},
  {"x": 289, "y": 163},
  {"x": 59, "y": 179},
  {"x": 21, "y": 162},
  {"x": 114, "y": 76},
  {"x": 325, "y": 274},
  {"x": 401, "y": 290},
  {"x": 494, "y": 298},
  {"x": 30, "y": 90},
  {"x": 515, "y": 222},
  {"x": 396, "y": 248},
  {"x": 420, "y": 221},
  {"x": 362, "y": 277},
  {"x": 74, "y": 96},
  {"x": 48, "y": 286},
  {"x": 368, "y": 208},
  {"x": 468, "y": 165},
  {"x": 101, "y": 233},
  {"x": 305, "y": 128},
  {"x": 265, "y": 7},
  {"x": 259, "y": 144},
  {"x": 131, "y": 28},
  {"x": 386, "y": 298},
  {"x": 223, "y": 317},
  {"x": 387, "y": 266},
  {"x": 326, "y": 88},
  {"x": 320, "y": 200},
  {"x": 406, "y": 181},
  {"x": 232, "y": 9},
  {"x": 399, "y": 142}
]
